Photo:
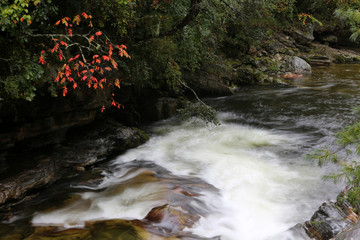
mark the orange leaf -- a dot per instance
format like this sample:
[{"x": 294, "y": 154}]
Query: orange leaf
[
  {"x": 57, "y": 23},
  {"x": 108, "y": 68},
  {"x": 114, "y": 63},
  {"x": 65, "y": 22},
  {"x": 117, "y": 83},
  {"x": 84, "y": 15},
  {"x": 65, "y": 91}
]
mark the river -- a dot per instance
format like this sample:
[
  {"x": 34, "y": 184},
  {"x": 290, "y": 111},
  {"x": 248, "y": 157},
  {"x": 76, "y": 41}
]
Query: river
[{"x": 261, "y": 183}]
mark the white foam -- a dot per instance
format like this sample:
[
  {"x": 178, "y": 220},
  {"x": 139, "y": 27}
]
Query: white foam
[{"x": 261, "y": 193}]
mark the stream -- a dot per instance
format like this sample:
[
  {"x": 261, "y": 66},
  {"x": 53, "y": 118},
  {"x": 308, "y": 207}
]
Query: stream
[{"x": 249, "y": 174}]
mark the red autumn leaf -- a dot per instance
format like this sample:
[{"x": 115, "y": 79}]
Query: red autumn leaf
[
  {"x": 57, "y": 23},
  {"x": 70, "y": 59},
  {"x": 77, "y": 56},
  {"x": 106, "y": 58},
  {"x": 99, "y": 33},
  {"x": 55, "y": 48},
  {"x": 94, "y": 79},
  {"x": 91, "y": 38},
  {"x": 103, "y": 109},
  {"x": 63, "y": 43},
  {"x": 60, "y": 55},
  {"x": 65, "y": 91},
  {"x": 74, "y": 85},
  {"x": 81, "y": 63},
  {"x": 71, "y": 79},
  {"x": 83, "y": 72},
  {"x": 70, "y": 32},
  {"x": 62, "y": 80},
  {"x": 84, "y": 78},
  {"x": 84, "y": 15},
  {"x": 95, "y": 56},
  {"x": 91, "y": 70}
]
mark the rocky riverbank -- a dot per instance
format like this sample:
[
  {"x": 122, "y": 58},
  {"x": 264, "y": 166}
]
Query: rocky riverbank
[{"x": 90, "y": 145}]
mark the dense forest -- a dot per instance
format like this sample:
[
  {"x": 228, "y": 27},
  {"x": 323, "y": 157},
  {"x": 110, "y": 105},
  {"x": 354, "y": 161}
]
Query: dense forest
[
  {"x": 74, "y": 73},
  {"x": 59, "y": 48}
]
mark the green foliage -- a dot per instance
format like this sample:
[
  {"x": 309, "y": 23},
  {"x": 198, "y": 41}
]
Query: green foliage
[
  {"x": 349, "y": 142},
  {"x": 21, "y": 84},
  {"x": 13, "y": 13},
  {"x": 352, "y": 17}
]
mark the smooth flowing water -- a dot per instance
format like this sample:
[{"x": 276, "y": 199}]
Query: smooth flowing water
[{"x": 255, "y": 160}]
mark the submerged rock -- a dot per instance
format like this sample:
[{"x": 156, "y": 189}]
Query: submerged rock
[{"x": 182, "y": 208}]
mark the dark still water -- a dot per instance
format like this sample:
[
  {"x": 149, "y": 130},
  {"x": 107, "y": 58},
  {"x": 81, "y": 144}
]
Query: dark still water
[{"x": 255, "y": 159}]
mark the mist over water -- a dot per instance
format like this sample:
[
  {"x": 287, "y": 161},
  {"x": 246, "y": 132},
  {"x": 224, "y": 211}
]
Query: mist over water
[{"x": 255, "y": 158}]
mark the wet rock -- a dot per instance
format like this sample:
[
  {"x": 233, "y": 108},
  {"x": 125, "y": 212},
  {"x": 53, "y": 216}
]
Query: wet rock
[
  {"x": 88, "y": 146},
  {"x": 296, "y": 65},
  {"x": 182, "y": 209},
  {"x": 319, "y": 61},
  {"x": 329, "y": 220},
  {"x": 352, "y": 234},
  {"x": 18, "y": 186},
  {"x": 171, "y": 219}
]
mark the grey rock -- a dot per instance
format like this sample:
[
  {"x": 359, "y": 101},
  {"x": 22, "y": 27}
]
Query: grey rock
[
  {"x": 295, "y": 65},
  {"x": 328, "y": 221},
  {"x": 330, "y": 39}
]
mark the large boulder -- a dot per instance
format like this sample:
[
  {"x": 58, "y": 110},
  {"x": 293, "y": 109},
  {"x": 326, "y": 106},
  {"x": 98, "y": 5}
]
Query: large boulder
[{"x": 295, "y": 65}]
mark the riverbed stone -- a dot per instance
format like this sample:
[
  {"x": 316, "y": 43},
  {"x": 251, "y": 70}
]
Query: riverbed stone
[{"x": 328, "y": 221}]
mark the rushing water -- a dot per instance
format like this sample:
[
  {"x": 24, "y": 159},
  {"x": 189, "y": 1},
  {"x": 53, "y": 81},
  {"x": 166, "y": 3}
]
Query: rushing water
[{"x": 255, "y": 159}]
